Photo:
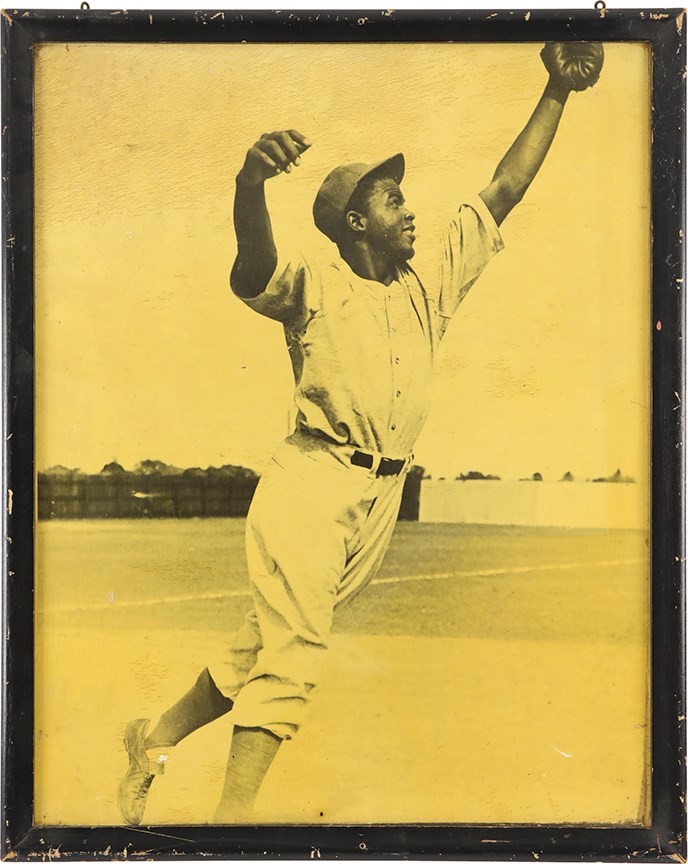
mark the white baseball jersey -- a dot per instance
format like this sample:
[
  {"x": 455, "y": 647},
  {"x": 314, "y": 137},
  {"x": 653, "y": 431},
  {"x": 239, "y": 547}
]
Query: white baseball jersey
[{"x": 362, "y": 352}]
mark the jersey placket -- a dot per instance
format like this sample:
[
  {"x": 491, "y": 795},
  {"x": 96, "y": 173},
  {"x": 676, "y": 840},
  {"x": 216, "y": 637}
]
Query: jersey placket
[{"x": 397, "y": 359}]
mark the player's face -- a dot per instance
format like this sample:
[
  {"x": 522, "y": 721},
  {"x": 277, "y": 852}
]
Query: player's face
[{"x": 389, "y": 224}]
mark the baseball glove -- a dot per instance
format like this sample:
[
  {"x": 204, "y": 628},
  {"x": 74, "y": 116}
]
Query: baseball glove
[{"x": 576, "y": 64}]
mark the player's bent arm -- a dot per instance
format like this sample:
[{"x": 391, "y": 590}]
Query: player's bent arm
[
  {"x": 522, "y": 161},
  {"x": 273, "y": 154},
  {"x": 256, "y": 252}
]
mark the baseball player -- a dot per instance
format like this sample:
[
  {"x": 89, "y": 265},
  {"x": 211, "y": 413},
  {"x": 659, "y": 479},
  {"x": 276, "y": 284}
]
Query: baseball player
[{"x": 362, "y": 331}]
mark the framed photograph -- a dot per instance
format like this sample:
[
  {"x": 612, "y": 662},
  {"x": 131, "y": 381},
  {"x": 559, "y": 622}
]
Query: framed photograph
[{"x": 344, "y": 440}]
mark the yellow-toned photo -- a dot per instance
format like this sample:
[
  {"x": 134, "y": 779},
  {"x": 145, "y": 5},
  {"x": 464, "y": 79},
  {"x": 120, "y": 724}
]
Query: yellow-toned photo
[{"x": 342, "y": 433}]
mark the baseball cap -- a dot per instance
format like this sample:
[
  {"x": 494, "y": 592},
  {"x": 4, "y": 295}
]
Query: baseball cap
[{"x": 340, "y": 184}]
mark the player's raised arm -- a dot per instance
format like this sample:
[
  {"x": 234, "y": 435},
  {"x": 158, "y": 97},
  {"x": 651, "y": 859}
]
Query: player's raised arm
[
  {"x": 272, "y": 154},
  {"x": 571, "y": 66}
]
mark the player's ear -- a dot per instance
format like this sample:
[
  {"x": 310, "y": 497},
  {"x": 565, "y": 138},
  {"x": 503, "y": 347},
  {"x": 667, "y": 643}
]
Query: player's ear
[{"x": 356, "y": 221}]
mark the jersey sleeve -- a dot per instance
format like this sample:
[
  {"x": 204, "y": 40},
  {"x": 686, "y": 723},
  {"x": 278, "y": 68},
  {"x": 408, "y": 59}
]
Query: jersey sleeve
[
  {"x": 284, "y": 297},
  {"x": 471, "y": 240}
]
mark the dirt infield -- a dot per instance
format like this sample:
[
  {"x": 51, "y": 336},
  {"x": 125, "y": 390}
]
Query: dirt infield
[{"x": 489, "y": 675}]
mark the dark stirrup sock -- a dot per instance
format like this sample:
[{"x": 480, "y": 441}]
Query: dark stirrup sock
[
  {"x": 202, "y": 704},
  {"x": 250, "y": 756}
]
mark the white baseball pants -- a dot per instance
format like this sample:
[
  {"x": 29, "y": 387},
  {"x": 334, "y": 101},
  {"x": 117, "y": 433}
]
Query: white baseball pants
[{"x": 316, "y": 534}]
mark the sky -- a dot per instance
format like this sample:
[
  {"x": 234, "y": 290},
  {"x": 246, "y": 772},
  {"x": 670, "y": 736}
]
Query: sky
[{"x": 141, "y": 350}]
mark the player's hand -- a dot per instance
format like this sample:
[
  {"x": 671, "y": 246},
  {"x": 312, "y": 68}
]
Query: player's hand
[
  {"x": 573, "y": 65},
  {"x": 274, "y": 153}
]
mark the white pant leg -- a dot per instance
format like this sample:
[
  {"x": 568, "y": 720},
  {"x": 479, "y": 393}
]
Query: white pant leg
[
  {"x": 231, "y": 671},
  {"x": 301, "y": 524},
  {"x": 375, "y": 536}
]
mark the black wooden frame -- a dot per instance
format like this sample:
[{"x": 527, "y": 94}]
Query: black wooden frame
[{"x": 665, "y": 838}]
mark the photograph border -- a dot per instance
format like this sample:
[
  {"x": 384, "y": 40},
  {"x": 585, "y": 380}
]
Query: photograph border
[{"x": 664, "y": 839}]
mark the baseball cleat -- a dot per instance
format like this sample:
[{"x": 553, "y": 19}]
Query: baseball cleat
[{"x": 133, "y": 789}]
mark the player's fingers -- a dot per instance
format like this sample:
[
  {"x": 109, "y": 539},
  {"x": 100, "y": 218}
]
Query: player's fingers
[
  {"x": 288, "y": 145},
  {"x": 264, "y": 159},
  {"x": 301, "y": 141},
  {"x": 269, "y": 146}
]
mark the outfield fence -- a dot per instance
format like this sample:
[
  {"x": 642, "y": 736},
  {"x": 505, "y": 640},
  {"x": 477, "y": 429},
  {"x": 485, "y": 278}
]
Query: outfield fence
[{"x": 537, "y": 503}]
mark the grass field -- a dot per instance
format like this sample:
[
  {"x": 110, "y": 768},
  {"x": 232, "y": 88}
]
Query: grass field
[{"x": 489, "y": 674}]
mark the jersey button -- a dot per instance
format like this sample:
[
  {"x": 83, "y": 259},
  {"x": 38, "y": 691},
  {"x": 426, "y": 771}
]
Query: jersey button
[
  {"x": 396, "y": 360},
  {"x": 398, "y": 393},
  {"x": 393, "y": 426}
]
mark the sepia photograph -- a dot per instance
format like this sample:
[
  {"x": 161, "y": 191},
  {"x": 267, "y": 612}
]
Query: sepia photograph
[
  {"x": 344, "y": 452},
  {"x": 256, "y": 268}
]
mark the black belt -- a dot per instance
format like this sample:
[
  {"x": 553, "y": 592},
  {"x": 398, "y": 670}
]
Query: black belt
[{"x": 386, "y": 468}]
